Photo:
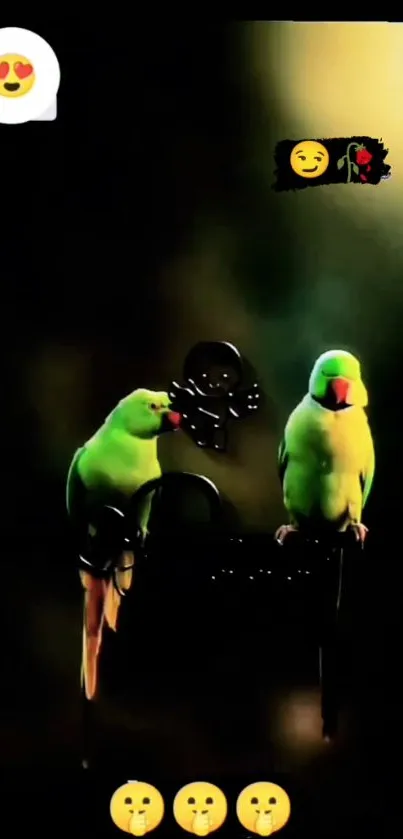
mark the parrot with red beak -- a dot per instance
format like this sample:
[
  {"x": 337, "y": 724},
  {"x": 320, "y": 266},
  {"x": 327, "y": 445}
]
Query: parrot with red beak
[
  {"x": 326, "y": 458},
  {"x": 118, "y": 459}
]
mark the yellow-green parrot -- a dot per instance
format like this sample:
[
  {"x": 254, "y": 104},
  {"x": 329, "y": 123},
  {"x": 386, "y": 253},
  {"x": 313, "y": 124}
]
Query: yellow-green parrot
[
  {"x": 119, "y": 458},
  {"x": 326, "y": 458}
]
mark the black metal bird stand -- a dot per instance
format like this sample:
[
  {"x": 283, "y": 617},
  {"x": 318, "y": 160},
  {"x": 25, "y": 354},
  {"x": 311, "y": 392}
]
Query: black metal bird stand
[
  {"x": 122, "y": 531},
  {"x": 326, "y": 556}
]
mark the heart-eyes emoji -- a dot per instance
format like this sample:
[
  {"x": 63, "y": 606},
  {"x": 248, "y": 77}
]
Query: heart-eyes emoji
[{"x": 17, "y": 75}]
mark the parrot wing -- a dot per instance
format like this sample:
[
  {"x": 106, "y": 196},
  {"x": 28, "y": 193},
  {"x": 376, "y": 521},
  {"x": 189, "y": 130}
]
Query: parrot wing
[
  {"x": 71, "y": 481},
  {"x": 282, "y": 459},
  {"x": 367, "y": 474}
]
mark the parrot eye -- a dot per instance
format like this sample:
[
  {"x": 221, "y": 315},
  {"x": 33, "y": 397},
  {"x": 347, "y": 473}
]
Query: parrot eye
[{"x": 153, "y": 406}]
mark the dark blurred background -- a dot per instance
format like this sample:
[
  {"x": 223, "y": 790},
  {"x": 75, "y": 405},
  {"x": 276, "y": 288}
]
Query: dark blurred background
[{"x": 138, "y": 223}]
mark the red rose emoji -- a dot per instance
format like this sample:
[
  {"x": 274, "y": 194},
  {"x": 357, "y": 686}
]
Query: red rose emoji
[{"x": 363, "y": 157}]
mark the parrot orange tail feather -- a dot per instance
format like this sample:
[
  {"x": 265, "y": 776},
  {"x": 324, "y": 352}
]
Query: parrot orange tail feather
[
  {"x": 101, "y": 604},
  {"x": 94, "y": 598}
]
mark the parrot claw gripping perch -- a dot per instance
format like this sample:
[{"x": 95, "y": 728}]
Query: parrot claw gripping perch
[
  {"x": 284, "y": 531},
  {"x": 360, "y": 532}
]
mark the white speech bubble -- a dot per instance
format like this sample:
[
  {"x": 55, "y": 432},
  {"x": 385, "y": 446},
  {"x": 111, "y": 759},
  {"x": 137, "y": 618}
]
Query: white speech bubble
[{"x": 39, "y": 103}]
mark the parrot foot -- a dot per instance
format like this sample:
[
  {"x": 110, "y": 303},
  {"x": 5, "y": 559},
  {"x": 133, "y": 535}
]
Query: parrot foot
[
  {"x": 284, "y": 531},
  {"x": 123, "y": 574},
  {"x": 360, "y": 531}
]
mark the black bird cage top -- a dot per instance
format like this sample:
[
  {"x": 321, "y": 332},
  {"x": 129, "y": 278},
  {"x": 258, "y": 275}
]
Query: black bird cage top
[{"x": 213, "y": 392}]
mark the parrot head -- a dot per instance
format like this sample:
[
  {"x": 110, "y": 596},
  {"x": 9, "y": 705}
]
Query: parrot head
[
  {"x": 146, "y": 414},
  {"x": 335, "y": 381}
]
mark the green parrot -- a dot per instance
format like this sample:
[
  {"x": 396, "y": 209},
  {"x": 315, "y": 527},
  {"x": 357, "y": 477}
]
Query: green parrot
[
  {"x": 326, "y": 458},
  {"x": 120, "y": 457}
]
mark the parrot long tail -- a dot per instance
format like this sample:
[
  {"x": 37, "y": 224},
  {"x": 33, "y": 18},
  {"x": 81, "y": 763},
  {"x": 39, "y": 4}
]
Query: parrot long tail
[
  {"x": 102, "y": 601},
  {"x": 93, "y": 620}
]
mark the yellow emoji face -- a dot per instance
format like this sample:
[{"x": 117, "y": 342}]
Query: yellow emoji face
[
  {"x": 263, "y": 808},
  {"x": 137, "y": 808},
  {"x": 309, "y": 159},
  {"x": 17, "y": 75},
  {"x": 200, "y": 808}
]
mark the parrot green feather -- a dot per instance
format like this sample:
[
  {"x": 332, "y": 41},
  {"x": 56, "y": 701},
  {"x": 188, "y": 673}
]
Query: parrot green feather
[
  {"x": 122, "y": 455},
  {"x": 118, "y": 459},
  {"x": 326, "y": 459}
]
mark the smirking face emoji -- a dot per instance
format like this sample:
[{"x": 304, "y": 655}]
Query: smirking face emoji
[
  {"x": 17, "y": 75},
  {"x": 137, "y": 808},
  {"x": 200, "y": 808},
  {"x": 309, "y": 159},
  {"x": 263, "y": 808}
]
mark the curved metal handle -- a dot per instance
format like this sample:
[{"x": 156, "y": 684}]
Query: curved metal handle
[{"x": 173, "y": 480}]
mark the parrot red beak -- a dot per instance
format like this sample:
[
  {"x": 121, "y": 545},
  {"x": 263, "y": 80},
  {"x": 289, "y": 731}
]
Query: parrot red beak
[
  {"x": 340, "y": 388},
  {"x": 174, "y": 418}
]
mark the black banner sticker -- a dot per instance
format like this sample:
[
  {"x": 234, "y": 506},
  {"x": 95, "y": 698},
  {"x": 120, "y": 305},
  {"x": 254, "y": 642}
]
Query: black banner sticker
[{"x": 344, "y": 160}]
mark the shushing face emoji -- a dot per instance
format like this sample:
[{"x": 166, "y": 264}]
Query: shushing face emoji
[
  {"x": 263, "y": 808},
  {"x": 137, "y": 808},
  {"x": 200, "y": 808}
]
